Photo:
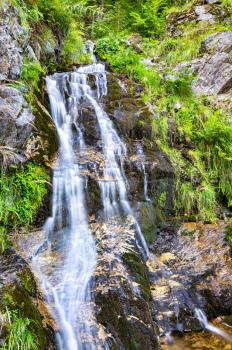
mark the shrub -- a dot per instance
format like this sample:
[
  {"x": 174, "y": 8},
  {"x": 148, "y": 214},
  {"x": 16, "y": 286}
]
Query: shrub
[{"x": 21, "y": 194}]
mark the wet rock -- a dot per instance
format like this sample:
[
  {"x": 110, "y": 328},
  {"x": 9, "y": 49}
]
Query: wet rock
[
  {"x": 16, "y": 126},
  {"x": 192, "y": 269},
  {"x": 13, "y": 42},
  {"x": 122, "y": 287}
]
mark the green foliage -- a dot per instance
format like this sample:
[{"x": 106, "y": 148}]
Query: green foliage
[
  {"x": 73, "y": 51},
  {"x": 21, "y": 194},
  {"x": 4, "y": 241},
  {"x": 180, "y": 87},
  {"x": 19, "y": 333},
  {"x": 215, "y": 141},
  {"x": 31, "y": 74},
  {"x": 200, "y": 200},
  {"x": 109, "y": 45},
  {"x": 229, "y": 233}
]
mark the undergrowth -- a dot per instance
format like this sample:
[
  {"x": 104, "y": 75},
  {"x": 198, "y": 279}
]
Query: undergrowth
[
  {"x": 19, "y": 334},
  {"x": 21, "y": 194},
  {"x": 199, "y": 147}
]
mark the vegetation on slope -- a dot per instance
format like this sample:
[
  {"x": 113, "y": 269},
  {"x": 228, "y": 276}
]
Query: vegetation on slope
[
  {"x": 21, "y": 193},
  {"x": 200, "y": 147}
]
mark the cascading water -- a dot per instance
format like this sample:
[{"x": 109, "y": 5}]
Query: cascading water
[
  {"x": 113, "y": 187},
  {"x": 142, "y": 167},
  {"x": 66, "y": 265},
  {"x": 202, "y": 318},
  {"x": 67, "y": 287}
]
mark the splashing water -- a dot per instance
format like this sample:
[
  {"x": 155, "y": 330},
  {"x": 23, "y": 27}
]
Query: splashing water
[{"x": 202, "y": 318}]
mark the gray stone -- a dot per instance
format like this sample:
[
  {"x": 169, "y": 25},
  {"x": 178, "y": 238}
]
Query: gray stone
[
  {"x": 13, "y": 41},
  {"x": 215, "y": 77},
  {"x": 16, "y": 121},
  {"x": 31, "y": 54},
  {"x": 215, "y": 67},
  {"x": 218, "y": 42},
  {"x": 204, "y": 14}
]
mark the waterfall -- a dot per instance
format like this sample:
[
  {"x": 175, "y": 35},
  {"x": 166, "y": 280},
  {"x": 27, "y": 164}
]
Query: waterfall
[
  {"x": 67, "y": 262},
  {"x": 67, "y": 285}
]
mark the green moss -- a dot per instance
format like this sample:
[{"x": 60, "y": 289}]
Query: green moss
[
  {"x": 148, "y": 220},
  {"x": 139, "y": 272},
  {"x": 19, "y": 304},
  {"x": 21, "y": 194},
  {"x": 28, "y": 281}
]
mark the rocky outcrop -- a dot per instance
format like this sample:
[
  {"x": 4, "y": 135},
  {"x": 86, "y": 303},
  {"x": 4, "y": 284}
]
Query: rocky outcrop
[
  {"x": 13, "y": 42},
  {"x": 214, "y": 69},
  {"x": 197, "y": 11},
  {"x": 192, "y": 269},
  {"x": 16, "y": 124}
]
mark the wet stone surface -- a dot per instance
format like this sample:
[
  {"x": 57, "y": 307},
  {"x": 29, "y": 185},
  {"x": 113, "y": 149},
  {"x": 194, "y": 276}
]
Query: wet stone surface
[{"x": 192, "y": 270}]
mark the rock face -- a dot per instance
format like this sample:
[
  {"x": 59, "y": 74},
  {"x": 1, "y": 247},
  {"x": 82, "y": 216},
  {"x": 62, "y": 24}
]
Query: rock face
[
  {"x": 122, "y": 288},
  {"x": 214, "y": 69},
  {"x": 13, "y": 43},
  {"x": 16, "y": 126},
  {"x": 197, "y": 11},
  {"x": 192, "y": 270}
]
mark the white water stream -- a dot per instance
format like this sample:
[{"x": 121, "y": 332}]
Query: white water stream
[{"x": 113, "y": 187}]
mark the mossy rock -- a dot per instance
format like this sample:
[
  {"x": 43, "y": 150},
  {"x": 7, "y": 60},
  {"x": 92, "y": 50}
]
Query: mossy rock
[
  {"x": 19, "y": 294},
  {"x": 139, "y": 272},
  {"x": 131, "y": 332},
  {"x": 149, "y": 220},
  {"x": 17, "y": 298}
]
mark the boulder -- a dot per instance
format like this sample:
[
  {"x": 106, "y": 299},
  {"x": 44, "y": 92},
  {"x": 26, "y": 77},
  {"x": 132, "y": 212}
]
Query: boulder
[
  {"x": 218, "y": 42},
  {"x": 203, "y": 13},
  {"x": 215, "y": 77},
  {"x": 16, "y": 126},
  {"x": 13, "y": 42},
  {"x": 196, "y": 11},
  {"x": 214, "y": 69}
]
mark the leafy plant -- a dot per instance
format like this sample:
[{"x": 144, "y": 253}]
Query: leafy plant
[
  {"x": 31, "y": 73},
  {"x": 19, "y": 333},
  {"x": 21, "y": 194}
]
